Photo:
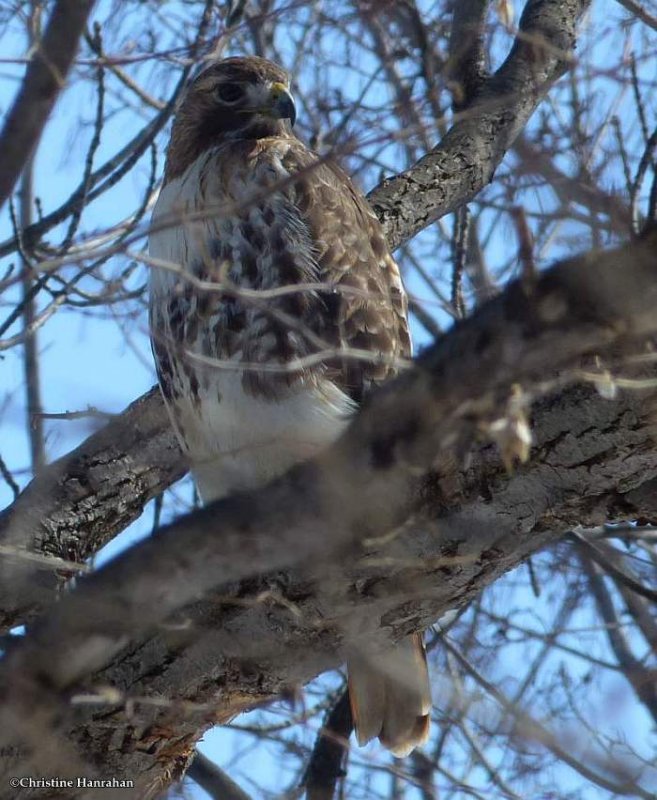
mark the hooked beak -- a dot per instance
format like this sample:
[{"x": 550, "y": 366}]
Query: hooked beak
[{"x": 282, "y": 103}]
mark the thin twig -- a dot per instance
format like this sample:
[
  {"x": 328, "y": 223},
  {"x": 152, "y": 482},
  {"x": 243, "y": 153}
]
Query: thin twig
[
  {"x": 35, "y": 428},
  {"x": 644, "y": 164},
  {"x": 638, "y": 100},
  {"x": 528, "y": 728},
  {"x": 461, "y": 231},
  {"x": 9, "y": 478},
  {"x": 640, "y": 677},
  {"x": 525, "y": 246},
  {"x": 639, "y": 12},
  {"x": 85, "y": 185},
  {"x": 598, "y": 554}
]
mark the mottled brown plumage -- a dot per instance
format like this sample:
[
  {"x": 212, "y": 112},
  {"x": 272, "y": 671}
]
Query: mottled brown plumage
[{"x": 274, "y": 273}]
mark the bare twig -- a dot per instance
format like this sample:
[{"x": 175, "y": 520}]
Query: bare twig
[
  {"x": 647, "y": 159},
  {"x": 34, "y": 423},
  {"x": 419, "y": 414},
  {"x": 214, "y": 780},
  {"x": 640, "y": 677},
  {"x": 466, "y": 67},
  {"x": 28, "y": 335},
  {"x": 639, "y": 12},
  {"x": 9, "y": 478},
  {"x": 599, "y": 552},
  {"x": 525, "y": 246},
  {"x": 118, "y": 165},
  {"x": 460, "y": 242},
  {"x": 86, "y": 183},
  {"x": 480, "y": 137},
  {"x": 576, "y": 190},
  {"x": 528, "y": 727}
]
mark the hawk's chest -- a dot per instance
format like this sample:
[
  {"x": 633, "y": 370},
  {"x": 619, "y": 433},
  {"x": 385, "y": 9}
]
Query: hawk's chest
[
  {"x": 222, "y": 219},
  {"x": 231, "y": 236},
  {"x": 235, "y": 235}
]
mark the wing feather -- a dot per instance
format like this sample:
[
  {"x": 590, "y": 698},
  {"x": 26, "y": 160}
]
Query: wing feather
[
  {"x": 270, "y": 214},
  {"x": 352, "y": 255}
]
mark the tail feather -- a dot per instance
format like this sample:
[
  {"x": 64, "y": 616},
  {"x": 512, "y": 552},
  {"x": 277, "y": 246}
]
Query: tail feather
[
  {"x": 390, "y": 696},
  {"x": 367, "y": 697}
]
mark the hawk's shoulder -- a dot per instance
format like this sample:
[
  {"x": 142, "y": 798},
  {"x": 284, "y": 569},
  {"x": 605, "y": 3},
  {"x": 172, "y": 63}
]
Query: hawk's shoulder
[{"x": 365, "y": 305}]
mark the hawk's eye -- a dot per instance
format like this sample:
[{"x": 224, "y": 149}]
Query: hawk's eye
[{"x": 229, "y": 92}]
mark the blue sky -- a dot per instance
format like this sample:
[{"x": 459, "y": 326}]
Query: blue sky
[{"x": 102, "y": 359}]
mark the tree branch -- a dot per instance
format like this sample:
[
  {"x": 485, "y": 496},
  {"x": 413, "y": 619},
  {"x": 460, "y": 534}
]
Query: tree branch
[
  {"x": 361, "y": 487},
  {"x": 82, "y": 501},
  {"x": 44, "y": 80},
  {"x": 640, "y": 677},
  {"x": 327, "y": 761},
  {"x": 576, "y": 308},
  {"x": 533, "y": 161},
  {"x": 109, "y": 479},
  {"x": 637, "y": 10},
  {"x": 214, "y": 780},
  {"x": 466, "y": 159},
  {"x": 228, "y": 654},
  {"x": 466, "y": 67},
  {"x": 183, "y": 680},
  {"x": 109, "y": 173}
]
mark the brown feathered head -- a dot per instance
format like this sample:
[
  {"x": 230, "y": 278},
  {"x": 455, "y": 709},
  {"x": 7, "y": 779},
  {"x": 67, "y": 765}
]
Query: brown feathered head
[{"x": 236, "y": 98}]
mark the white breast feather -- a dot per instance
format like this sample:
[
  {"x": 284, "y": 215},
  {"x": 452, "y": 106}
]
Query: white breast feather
[{"x": 235, "y": 441}]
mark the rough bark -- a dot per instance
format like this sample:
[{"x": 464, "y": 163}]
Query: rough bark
[
  {"x": 594, "y": 460},
  {"x": 81, "y": 502},
  {"x": 226, "y": 658},
  {"x": 466, "y": 159},
  {"x": 108, "y": 479}
]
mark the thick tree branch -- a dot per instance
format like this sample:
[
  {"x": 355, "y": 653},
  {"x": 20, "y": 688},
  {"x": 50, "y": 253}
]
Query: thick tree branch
[
  {"x": 228, "y": 654},
  {"x": 109, "y": 478},
  {"x": 45, "y": 79},
  {"x": 82, "y": 501},
  {"x": 579, "y": 307},
  {"x": 230, "y": 657},
  {"x": 594, "y": 459},
  {"x": 466, "y": 159},
  {"x": 360, "y": 488}
]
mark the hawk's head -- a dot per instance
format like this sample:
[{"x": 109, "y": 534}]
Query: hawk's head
[{"x": 236, "y": 98}]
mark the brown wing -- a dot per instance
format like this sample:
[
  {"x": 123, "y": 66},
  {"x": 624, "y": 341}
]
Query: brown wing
[
  {"x": 289, "y": 219},
  {"x": 364, "y": 307}
]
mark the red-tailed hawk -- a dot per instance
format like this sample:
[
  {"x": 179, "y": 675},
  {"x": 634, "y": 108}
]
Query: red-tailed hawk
[{"x": 275, "y": 266}]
